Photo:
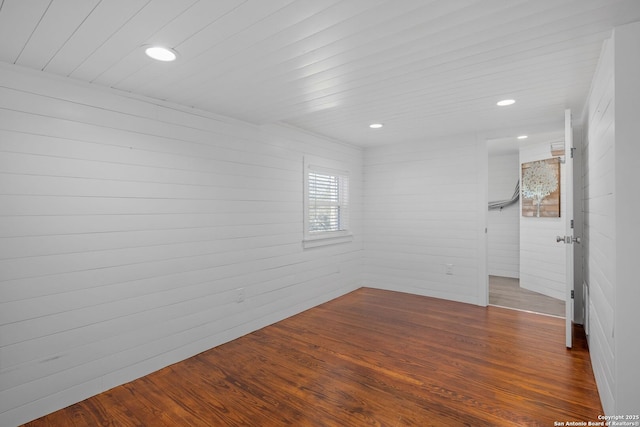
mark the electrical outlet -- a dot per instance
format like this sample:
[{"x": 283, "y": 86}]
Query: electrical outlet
[
  {"x": 448, "y": 269},
  {"x": 239, "y": 295}
]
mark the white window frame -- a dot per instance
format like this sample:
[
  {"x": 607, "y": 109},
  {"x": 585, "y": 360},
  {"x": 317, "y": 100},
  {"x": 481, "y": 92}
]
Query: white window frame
[{"x": 322, "y": 238}]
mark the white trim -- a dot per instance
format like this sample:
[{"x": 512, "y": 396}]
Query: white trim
[
  {"x": 325, "y": 240},
  {"x": 483, "y": 220},
  {"x": 322, "y": 169}
]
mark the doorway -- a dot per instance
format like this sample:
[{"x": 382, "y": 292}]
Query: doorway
[{"x": 524, "y": 273}]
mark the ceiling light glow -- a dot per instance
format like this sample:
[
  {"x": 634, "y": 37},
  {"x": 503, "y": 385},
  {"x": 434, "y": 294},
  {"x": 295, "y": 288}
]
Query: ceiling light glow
[
  {"x": 375, "y": 125},
  {"x": 506, "y": 102},
  {"x": 523, "y": 137},
  {"x": 160, "y": 53}
]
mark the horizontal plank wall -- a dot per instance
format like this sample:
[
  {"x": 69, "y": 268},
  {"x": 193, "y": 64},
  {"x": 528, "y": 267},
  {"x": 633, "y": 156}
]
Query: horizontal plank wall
[
  {"x": 542, "y": 259},
  {"x": 627, "y": 152},
  {"x": 422, "y": 213},
  {"x": 599, "y": 226},
  {"x": 504, "y": 224},
  {"x": 130, "y": 229}
]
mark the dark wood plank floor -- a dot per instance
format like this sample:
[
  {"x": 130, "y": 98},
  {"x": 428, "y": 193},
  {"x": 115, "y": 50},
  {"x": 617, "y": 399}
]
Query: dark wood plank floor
[
  {"x": 371, "y": 357},
  {"x": 506, "y": 292}
]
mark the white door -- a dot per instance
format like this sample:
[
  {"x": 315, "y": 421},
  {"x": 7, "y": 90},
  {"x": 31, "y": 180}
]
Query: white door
[{"x": 568, "y": 238}]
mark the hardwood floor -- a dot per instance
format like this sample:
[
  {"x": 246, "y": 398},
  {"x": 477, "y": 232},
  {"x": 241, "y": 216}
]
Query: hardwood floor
[
  {"x": 371, "y": 357},
  {"x": 506, "y": 292}
]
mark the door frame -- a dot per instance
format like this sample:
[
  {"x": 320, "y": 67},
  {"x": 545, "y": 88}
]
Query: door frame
[
  {"x": 568, "y": 221},
  {"x": 482, "y": 155}
]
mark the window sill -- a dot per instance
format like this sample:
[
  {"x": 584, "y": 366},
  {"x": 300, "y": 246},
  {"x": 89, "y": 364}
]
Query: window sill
[{"x": 317, "y": 241}]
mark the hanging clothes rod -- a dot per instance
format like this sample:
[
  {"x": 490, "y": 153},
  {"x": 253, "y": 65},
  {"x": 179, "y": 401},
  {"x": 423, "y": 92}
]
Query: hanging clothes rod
[{"x": 504, "y": 203}]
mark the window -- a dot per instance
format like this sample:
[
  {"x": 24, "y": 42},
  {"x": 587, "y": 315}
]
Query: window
[
  {"x": 326, "y": 206},
  {"x": 328, "y": 202}
]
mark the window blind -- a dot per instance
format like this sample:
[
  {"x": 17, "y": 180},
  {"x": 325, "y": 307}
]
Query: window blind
[{"x": 328, "y": 197}]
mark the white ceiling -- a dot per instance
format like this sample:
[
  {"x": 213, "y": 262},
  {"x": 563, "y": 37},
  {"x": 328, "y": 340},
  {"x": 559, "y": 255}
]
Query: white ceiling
[
  {"x": 424, "y": 68},
  {"x": 510, "y": 145}
]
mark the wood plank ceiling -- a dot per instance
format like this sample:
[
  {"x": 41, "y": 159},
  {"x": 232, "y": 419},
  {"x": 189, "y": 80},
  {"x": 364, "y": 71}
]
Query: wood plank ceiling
[{"x": 424, "y": 68}]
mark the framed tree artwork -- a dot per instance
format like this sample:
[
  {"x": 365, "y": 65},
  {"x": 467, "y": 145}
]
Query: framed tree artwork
[{"x": 541, "y": 188}]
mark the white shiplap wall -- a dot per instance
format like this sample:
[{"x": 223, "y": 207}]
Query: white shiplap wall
[
  {"x": 126, "y": 226},
  {"x": 504, "y": 224},
  {"x": 599, "y": 224},
  {"x": 425, "y": 205},
  {"x": 627, "y": 153},
  {"x": 542, "y": 259},
  {"x": 611, "y": 205}
]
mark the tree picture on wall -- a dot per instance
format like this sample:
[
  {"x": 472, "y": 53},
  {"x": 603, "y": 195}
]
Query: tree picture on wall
[{"x": 541, "y": 188}]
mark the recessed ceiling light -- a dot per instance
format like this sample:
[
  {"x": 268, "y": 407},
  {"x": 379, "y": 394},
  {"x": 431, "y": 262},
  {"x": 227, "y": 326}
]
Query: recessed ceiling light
[
  {"x": 523, "y": 137},
  {"x": 506, "y": 102},
  {"x": 375, "y": 125},
  {"x": 160, "y": 53}
]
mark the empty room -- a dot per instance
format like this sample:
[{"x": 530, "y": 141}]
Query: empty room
[{"x": 319, "y": 213}]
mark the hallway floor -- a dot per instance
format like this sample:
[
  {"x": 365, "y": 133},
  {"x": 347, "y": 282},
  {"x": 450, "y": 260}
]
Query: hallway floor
[{"x": 506, "y": 292}]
